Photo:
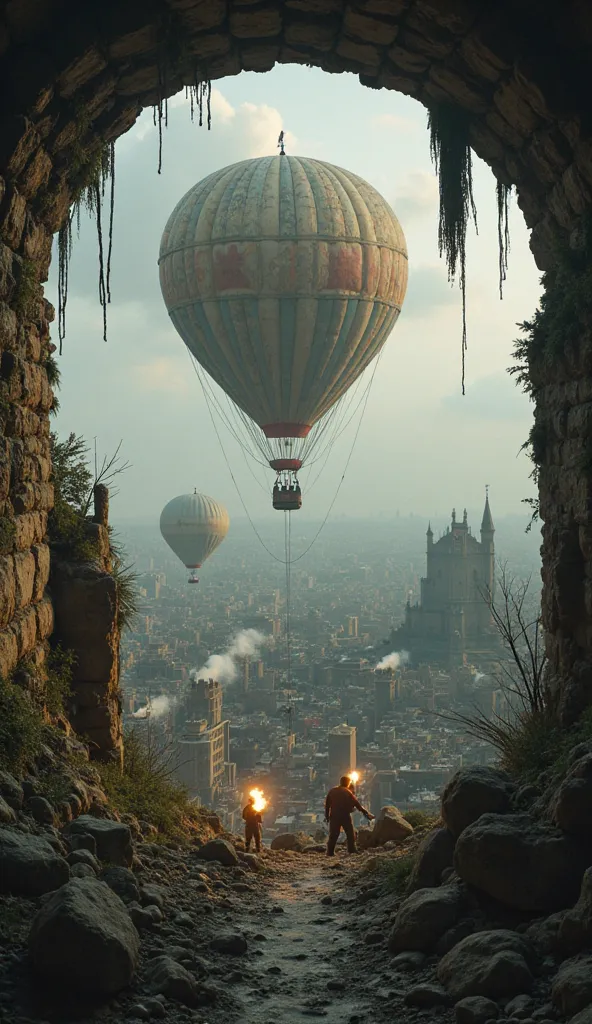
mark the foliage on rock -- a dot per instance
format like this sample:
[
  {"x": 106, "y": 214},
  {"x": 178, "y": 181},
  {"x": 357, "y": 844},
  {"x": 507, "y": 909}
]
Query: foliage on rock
[
  {"x": 21, "y": 727},
  {"x": 146, "y": 787}
]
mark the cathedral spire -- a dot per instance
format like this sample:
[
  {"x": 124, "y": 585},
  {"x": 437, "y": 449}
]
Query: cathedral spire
[{"x": 487, "y": 521}]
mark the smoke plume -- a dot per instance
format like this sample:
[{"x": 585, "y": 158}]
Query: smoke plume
[
  {"x": 223, "y": 667},
  {"x": 154, "y": 708},
  {"x": 394, "y": 660}
]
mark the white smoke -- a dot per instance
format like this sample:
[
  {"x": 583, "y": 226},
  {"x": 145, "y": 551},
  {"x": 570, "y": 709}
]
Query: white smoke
[
  {"x": 478, "y": 677},
  {"x": 154, "y": 708},
  {"x": 222, "y": 667},
  {"x": 394, "y": 660}
]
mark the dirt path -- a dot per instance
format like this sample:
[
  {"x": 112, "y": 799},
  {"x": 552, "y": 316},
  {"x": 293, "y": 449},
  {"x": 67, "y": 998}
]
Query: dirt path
[{"x": 301, "y": 959}]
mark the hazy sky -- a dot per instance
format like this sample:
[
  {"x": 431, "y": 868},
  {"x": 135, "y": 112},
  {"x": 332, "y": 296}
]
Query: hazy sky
[{"x": 421, "y": 447}]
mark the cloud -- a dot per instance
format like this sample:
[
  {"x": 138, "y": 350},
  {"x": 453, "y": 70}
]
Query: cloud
[
  {"x": 164, "y": 374},
  {"x": 490, "y": 398},
  {"x": 417, "y": 197},
  {"x": 427, "y": 290},
  {"x": 393, "y": 122}
]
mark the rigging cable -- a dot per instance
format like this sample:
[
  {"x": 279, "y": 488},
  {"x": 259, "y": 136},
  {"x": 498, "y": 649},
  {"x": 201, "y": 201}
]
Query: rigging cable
[
  {"x": 339, "y": 486},
  {"x": 288, "y": 555}
]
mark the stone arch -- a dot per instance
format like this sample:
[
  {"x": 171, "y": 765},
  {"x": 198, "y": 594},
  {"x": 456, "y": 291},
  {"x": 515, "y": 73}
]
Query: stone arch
[{"x": 74, "y": 76}]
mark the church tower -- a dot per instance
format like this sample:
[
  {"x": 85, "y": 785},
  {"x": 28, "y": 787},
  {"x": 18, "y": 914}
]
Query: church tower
[{"x": 487, "y": 532}]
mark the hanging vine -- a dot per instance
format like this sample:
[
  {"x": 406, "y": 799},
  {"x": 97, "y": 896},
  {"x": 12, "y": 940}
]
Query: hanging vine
[
  {"x": 503, "y": 193},
  {"x": 98, "y": 176},
  {"x": 451, "y": 154}
]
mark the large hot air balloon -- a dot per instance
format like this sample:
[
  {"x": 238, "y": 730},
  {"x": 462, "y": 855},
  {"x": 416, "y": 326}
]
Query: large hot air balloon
[
  {"x": 193, "y": 526},
  {"x": 284, "y": 276}
]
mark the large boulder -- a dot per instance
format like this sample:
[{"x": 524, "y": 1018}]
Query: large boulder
[
  {"x": 572, "y": 986},
  {"x": 292, "y": 841},
  {"x": 232, "y": 944},
  {"x": 29, "y": 865},
  {"x": 83, "y": 938},
  {"x": 433, "y": 856},
  {"x": 122, "y": 881},
  {"x": 472, "y": 792},
  {"x": 171, "y": 979},
  {"x": 219, "y": 850},
  {"x": 475, "y": 1010},
  {"x": 574, "y": 930},
  {"x": 521, "y": 863},
  {"x": 425, "y": 916},
  {"x": 571, "y": 805},
  {"x": 113, "y": 839},
  {"x": 494, "y": 964},
  {"x": 390, "y": 825}
]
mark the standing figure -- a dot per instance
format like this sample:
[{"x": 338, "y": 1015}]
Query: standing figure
[
  {"x": 253, "y": 821},
  {"x": 339, "y": 806}
]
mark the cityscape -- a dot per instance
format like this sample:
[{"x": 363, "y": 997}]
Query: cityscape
[{"x": 208, "y": 673}]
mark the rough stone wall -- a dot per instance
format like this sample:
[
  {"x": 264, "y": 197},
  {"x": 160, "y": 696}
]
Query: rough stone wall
[
  {"x": 86, "y": 622},
  {"x": 564, "y": 443},
  {"x": 26, "y": 493}
]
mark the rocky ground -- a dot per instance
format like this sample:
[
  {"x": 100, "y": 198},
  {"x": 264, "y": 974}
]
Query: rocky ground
[{"x": 494, "y": 923}]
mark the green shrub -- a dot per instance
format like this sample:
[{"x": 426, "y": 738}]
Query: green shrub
[
  {"x": 392, "y": 872},
  {"x": 126, "y": 582},
  {"x": 421, "y": 819},
  {"x": 21, "y": 727},
  {"x": 58, "y": 683},
  {"x": 7, "y": 535},
  {"x": 146, "y": 787}
]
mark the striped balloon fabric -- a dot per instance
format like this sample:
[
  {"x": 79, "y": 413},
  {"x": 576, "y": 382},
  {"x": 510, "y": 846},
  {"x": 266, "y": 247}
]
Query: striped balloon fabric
[{"x": 284, "y": 276}]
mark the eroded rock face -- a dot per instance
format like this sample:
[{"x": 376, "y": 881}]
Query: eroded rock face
[
  {"x": 521, "y": 863},
  {"x": 425, "y": 916},
  {"x": 29, "y": 865},
  {"x": 472, "y": 792},
  {"x": 433, "y": 856},
  {"x": 83, "y": 938},
  {"x": 494, "y": 964},
  {"x": 113, "y": 839}
]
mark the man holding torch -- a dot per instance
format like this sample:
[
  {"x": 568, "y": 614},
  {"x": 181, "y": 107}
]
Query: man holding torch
[
  {"x": 253, "y": 819},
  {"x": 339, "y": 806}
]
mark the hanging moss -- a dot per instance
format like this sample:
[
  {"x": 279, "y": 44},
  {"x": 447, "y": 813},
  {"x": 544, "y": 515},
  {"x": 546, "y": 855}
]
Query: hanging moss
[
  {"x": 28, "y": 284},
  {"x": 503, "y": 193},
  {"x": 451, "y": 154},
  {"x": 98, "y": 173}
]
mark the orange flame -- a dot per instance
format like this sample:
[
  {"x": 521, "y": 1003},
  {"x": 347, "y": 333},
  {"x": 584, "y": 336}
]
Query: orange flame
[
  {"x": 259, "y": 801},
  {"x": 355, "y": 777}
]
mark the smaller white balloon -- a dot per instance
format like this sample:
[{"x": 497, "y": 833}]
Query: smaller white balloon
[{"x": 193, "y": 526}]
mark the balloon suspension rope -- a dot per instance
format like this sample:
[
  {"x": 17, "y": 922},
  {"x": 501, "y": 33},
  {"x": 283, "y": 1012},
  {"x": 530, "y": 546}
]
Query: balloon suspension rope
[
  {"x": 335, "y": 496},
  {"x": 288, "y": 556}
]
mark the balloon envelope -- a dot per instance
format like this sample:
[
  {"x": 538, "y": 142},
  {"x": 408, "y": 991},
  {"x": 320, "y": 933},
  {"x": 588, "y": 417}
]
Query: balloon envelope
[
  {"x": 193, "y": 526},
  {"x": 284, "y": 276}
]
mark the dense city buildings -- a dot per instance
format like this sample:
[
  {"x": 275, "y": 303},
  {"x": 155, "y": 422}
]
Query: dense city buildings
[{"x": 206, "y": 672}]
